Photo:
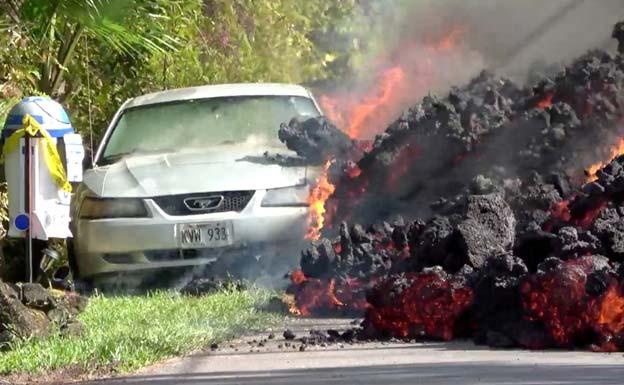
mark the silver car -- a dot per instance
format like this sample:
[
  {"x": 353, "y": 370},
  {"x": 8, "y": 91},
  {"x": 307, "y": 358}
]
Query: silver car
[{"x": 180, "y": 180}]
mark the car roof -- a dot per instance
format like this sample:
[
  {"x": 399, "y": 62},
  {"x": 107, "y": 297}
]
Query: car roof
[{"x": 219, "y": 90}]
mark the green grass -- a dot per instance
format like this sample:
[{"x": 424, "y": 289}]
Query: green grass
[{"x": 130, "y": 332}]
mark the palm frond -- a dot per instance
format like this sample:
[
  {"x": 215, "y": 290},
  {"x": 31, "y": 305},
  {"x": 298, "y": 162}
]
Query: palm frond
[{"x": 110, "y": 21}]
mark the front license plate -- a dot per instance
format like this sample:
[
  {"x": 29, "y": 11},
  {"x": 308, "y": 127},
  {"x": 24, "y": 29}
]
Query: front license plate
[{"x": 216, "y": 234}]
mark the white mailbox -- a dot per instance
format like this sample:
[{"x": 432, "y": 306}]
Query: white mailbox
[{"x": 56, "y": 159}]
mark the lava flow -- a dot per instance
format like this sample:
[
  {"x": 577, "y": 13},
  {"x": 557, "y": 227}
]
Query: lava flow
[
  {"x": 478, "y": 223},
  {"x": 429, "y": 305}
]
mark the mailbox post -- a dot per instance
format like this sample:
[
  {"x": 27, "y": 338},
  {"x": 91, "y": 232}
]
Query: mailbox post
[{"x": 42, "y": 156}]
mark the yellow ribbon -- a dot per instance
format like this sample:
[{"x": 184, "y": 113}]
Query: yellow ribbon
[{"x": 50, "y": 153}]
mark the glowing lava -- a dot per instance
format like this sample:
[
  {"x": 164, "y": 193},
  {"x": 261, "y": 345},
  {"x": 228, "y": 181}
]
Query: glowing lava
[
  {"x": 318, "y": 196},
  {"x": 546, "y": 102},
  {"x": 611, "y": 312},
  {"x": 430, "y": 305}
]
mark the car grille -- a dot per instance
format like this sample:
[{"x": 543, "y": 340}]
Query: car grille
[
  {"x": 232, "y": 201},
  {"x": 171, "y": 255}
]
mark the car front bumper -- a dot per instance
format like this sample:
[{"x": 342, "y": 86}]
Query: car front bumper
[{"x": 132, "y": 244}]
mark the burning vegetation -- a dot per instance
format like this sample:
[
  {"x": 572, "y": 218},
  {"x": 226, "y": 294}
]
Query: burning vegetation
[{"x": 517, "y": 203}]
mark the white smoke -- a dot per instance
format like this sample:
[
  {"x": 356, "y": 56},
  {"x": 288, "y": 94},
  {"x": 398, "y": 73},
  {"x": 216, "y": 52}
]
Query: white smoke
[{"x": 503, "y": 36}]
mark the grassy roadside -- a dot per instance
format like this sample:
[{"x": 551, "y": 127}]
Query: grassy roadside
[{"x": 128, "y": 333}]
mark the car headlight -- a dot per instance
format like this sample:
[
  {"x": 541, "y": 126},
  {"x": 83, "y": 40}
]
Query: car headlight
[
  {"x": 295, "y": 196},
  {"x": 101, "y": 208}
]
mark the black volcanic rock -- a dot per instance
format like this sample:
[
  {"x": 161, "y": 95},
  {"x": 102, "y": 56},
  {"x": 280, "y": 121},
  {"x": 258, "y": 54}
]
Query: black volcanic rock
[
  {"x": 317, "y": 140},
  {"x": 489, "y": 228}
]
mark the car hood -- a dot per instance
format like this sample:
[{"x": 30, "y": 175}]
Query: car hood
[{"x": 223, "y": 168}]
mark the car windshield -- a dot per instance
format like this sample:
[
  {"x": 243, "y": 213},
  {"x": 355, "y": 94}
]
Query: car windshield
[{"x": 200, "y": 123}]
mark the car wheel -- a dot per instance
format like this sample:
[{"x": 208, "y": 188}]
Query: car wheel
[{"x": 81, "y": 284}]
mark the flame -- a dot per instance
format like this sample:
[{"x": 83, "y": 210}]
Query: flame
[
  {"x": 367, "y": 110},
  {"x": 332, "y": 110},
  {"x": 616, "y": 150},
  {"x": 371, "y": 105},
  {"x": 311, "y": 295},
  {"x": 318, "y": 196},
  {"x": 364, "y": 115},
  {"x": 448, "y": 42},
  {"x": 331, "y": 294}
]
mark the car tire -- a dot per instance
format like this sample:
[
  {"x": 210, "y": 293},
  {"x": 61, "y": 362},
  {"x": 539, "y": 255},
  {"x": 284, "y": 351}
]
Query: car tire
[{"x": 81, "y": 284}]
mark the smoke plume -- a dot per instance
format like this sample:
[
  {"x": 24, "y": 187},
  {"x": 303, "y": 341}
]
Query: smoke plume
[{"x": 406, "y": 49}]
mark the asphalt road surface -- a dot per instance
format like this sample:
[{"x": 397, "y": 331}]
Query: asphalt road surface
[{"x": 257, "y": 360}]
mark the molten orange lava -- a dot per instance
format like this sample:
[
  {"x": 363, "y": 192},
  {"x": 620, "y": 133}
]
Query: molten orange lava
[
  {"x": 616, "y": 151},
  {"x": 318, "y": 196},
  {"x": 429, "y": 307},
  {"x": 611, "y": 314},
  {"x": 558, "y": 300},
  {"x": 546, "y": 102}
]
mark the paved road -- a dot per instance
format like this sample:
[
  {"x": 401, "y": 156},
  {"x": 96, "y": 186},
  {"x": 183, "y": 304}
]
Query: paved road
[{"x": 245, "y": 362}]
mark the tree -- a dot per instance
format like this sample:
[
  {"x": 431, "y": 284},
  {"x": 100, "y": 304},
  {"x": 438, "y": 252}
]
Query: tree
[
  {"x": 92, "y": 55},
  {"x": 54, "y": 29}
]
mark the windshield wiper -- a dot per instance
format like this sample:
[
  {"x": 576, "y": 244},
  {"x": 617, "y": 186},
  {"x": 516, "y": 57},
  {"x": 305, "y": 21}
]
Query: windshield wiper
[{"x": 110, "y": 159}]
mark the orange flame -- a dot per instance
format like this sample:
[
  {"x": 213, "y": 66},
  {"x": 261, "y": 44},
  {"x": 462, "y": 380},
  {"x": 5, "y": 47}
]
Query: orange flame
[
  {"x": 355, "y": 117},
  {"x": 448, "y": 42},
  {"x": 318, "y": 196},
  {"x": 313, "y": 294},
  {"x": 331, "y": 294},
  {"x": 616, "y": 151},
  {"x": 372, "y": 104},
  {"x": 332, "y": 110},
  {"x": 363, "y": 116}
]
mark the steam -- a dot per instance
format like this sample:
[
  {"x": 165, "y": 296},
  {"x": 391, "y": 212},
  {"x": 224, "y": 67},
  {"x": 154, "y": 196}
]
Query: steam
[
  {"x": 510, "y": 36},
  {"x": 438, "y": 44}
]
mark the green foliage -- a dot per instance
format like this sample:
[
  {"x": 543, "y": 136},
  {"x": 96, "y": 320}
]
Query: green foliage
[
  {"x": 131, "y": 332},
  {"x": 250, "y": 40},
  {"x": 56, "y": 27},
  {"x": 92, "y": 55}
]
